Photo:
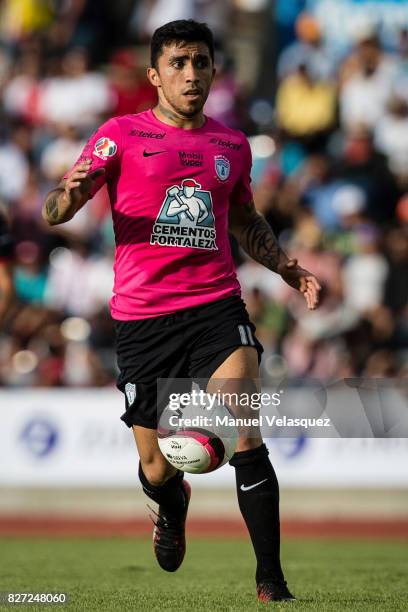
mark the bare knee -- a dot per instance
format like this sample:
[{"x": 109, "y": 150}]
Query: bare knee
[{"x": 157, "y": 471}]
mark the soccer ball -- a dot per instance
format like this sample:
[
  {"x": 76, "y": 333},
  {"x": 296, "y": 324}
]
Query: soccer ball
[
  {"x": 196, "y": 451},
  {"x": 196, "y": 438}
]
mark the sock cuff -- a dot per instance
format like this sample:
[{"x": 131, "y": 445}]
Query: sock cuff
[{"x": 249, "y": 456}]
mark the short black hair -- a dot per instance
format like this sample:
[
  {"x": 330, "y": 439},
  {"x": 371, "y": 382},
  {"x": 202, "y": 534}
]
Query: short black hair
[{"x": 183, "y": 30}]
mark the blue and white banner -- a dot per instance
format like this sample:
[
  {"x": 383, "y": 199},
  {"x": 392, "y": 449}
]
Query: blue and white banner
[{"x": 75, "y": 438}]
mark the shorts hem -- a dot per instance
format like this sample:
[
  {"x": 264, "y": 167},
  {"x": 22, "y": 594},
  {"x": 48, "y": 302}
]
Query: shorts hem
[{"x": 129, "y": 421}]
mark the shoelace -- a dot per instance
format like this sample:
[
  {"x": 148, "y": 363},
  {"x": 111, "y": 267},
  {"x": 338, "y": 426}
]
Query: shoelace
[{"x": 169, "y": 528}]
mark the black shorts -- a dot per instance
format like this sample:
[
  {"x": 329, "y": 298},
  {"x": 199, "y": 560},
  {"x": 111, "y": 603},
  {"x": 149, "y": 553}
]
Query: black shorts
[{"x": 191, "y": 343}]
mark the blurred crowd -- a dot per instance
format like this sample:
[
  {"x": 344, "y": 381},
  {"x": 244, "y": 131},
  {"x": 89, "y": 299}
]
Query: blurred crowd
[
  {"x": 330, "y": 174},
  {"x": 334, "y": 187}
]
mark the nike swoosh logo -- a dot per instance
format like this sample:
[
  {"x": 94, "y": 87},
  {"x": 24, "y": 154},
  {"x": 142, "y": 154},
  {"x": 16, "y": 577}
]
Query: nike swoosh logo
[
  {"x": 244, "y": 488},
  {"x": 150, "y": 153}
]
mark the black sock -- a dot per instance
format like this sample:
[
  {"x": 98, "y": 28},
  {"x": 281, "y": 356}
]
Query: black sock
[
  {"x": 259, "y": 506},
  {"x": 169, "y": 496}
]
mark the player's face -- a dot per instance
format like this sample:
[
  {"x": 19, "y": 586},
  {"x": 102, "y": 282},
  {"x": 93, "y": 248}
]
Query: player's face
[{"x": 183, "y": 77}]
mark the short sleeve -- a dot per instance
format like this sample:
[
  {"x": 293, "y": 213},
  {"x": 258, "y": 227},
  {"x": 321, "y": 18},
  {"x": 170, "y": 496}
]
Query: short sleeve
[
  {"x": 242, "y": 192},
  {"x": 104, "y": 148}
]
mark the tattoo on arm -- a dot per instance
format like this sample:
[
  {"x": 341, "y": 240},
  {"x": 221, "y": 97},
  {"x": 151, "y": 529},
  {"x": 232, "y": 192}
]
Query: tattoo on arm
[
  {"x": 54, "y": 211},
  {"x": 51, "y": 206},
  {"x": 258, "y": 240}
]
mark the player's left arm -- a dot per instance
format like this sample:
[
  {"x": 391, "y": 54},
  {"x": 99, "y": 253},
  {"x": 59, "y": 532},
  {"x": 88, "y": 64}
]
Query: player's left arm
[{"x": 256, "y": 237}]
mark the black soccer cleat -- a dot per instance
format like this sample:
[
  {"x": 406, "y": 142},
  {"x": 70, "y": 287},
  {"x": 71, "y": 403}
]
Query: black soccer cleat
[
  {"x": 169, "y": 539},
  {"x": 274, "y": 591}
]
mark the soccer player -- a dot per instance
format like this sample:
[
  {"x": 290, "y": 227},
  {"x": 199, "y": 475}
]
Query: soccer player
[
  {"x": 178, "y": 182},
  {"x": 6, "y": 282}
]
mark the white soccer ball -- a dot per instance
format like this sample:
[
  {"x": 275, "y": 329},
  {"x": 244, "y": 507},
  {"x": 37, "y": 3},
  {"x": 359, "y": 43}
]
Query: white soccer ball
[{"x": 197, "y": 439}]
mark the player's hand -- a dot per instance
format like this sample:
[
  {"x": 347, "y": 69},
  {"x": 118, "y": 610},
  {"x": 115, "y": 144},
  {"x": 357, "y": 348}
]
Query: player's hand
[
  {"x": 302, "y": 280},
  {"x": 80, "y": 182}
]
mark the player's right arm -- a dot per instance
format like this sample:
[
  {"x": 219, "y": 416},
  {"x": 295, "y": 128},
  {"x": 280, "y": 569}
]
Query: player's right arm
[
  {"x": 72, "y": 194},
  {"x": 98, "y": 163}
]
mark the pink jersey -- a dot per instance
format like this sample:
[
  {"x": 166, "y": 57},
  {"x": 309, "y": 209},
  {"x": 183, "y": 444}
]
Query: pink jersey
[{"x": 170, "y": 190}]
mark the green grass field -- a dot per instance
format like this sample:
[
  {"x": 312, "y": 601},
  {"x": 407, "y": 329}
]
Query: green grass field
[{"x": 116, "y": 574}]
